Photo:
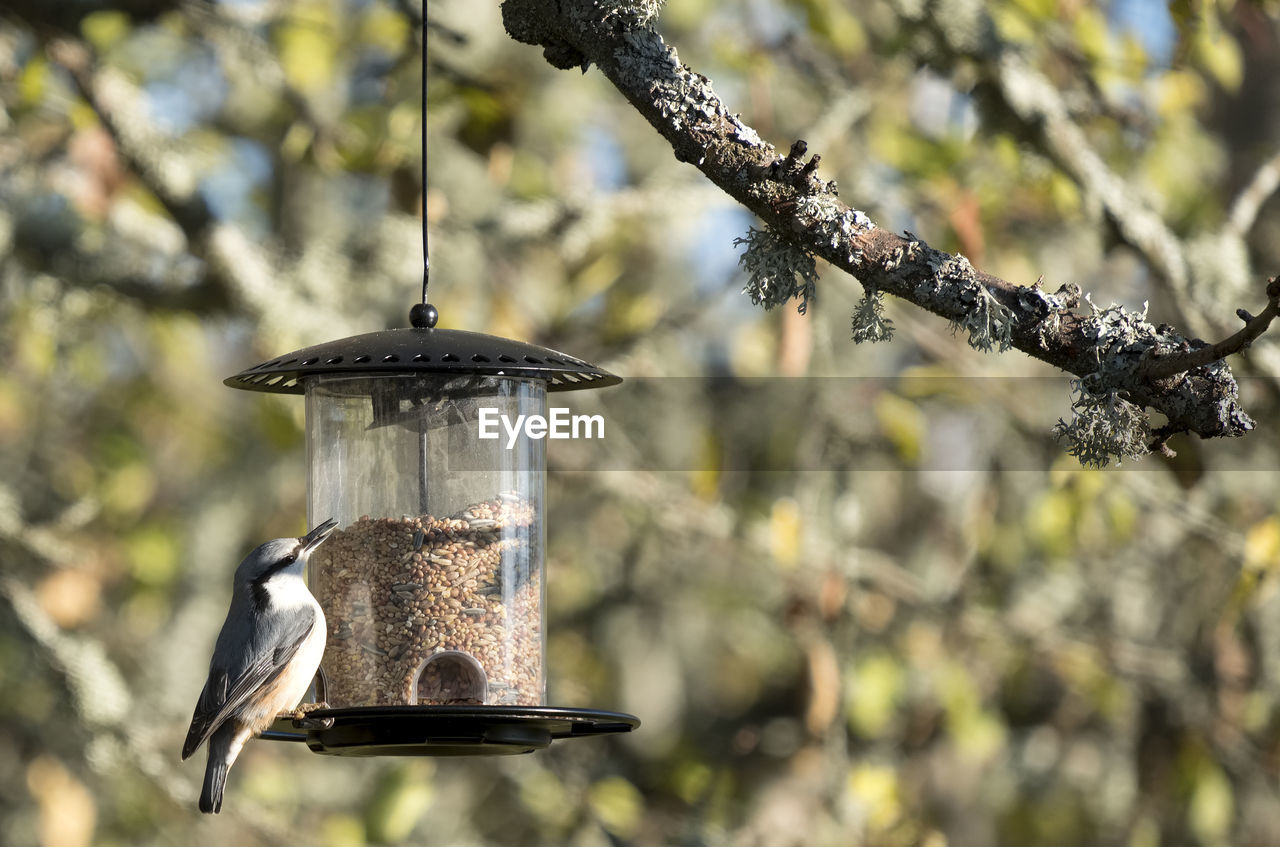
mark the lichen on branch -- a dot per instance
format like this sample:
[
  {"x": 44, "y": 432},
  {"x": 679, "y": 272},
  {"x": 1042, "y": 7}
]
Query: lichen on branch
[
  {"x": 804, "y": 220},
  {"x": 1104, "y": 426},
  {"x": 988, "y": 322},
  {"x": 777, "y": 270},
  {"x": 869, "y": 323}
]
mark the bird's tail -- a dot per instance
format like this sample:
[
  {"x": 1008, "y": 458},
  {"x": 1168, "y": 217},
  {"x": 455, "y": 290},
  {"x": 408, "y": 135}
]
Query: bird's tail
[
  {"x": 215, "y": 780},
  {"x": 222, "y": 753}
]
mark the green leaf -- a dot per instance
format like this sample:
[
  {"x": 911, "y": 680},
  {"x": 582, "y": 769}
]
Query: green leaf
[
  {"x": 617, "y": 804},
  {"x": 105, "y": 29},
  {"x": 400, "y": 801},
  {"x": 1220, "y": 56}
]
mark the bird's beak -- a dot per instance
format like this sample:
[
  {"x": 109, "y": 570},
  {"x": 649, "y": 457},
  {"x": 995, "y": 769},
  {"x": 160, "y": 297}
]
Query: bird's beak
[{"x": 312, "y": 539}]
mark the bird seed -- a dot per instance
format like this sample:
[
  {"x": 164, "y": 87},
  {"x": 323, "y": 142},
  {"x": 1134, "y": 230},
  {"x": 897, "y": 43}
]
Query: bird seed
[{"x": 433, "y": 611}]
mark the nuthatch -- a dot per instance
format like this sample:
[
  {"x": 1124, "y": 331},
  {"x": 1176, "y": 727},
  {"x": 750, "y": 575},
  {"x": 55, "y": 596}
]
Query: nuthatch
[{"x": 265, "y": 658}]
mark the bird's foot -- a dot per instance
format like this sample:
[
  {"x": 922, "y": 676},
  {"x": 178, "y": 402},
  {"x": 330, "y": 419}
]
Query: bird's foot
[
  {"x": 301, "y": 721},
  {"x": 306, "y": 708}
]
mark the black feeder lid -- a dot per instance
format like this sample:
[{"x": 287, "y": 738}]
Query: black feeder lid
[{"x": 421, "y": 350}]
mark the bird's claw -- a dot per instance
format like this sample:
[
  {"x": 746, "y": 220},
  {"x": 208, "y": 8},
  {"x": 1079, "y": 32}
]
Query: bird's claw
[{"x": 301, "y": 721}]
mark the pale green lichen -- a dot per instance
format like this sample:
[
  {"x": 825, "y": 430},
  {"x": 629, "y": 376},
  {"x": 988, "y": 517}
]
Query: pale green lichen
[
  {"x": 777, "y": 270},
  {"x": 988, "y": 322},
  {"x": 633, "y": 13},
  {"x": 682, "y": 97},
  {"x": 833, "y": 225},
  {"x": 1046, "y": 310},
  {"x": 1104, "y": 426},
  {"x": 869, "y": 323},
  {"x": 1116, "y": 330}
]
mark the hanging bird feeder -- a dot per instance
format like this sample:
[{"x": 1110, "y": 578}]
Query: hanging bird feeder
[{"x": 433, "y": 586}]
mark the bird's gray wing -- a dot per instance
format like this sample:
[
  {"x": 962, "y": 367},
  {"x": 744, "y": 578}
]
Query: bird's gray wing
[{"x": 251, "y": 669}]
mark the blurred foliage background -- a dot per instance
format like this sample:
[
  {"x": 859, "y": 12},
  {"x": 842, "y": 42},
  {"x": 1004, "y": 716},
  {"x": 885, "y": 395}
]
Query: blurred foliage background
[{"x": 951, "y": 634}]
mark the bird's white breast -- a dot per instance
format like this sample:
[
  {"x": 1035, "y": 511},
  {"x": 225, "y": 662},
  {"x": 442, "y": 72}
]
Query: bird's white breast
[
  {"x": 297, "y": 679},
  {"x": 288, "y": 591},
  {"x": 288, "y": 594}
]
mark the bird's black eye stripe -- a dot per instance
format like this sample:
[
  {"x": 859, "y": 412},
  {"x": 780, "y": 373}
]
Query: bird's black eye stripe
[{"x": 280, "y": 565}]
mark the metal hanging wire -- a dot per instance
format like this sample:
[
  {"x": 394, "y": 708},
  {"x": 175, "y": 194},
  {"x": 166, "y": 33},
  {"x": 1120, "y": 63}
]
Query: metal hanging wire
[
  {"x": 426, "y": 258},
  {"x": 423, "y": 315}
]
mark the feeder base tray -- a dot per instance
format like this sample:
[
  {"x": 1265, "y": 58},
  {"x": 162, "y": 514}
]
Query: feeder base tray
[{"x": 445, "y": 730}]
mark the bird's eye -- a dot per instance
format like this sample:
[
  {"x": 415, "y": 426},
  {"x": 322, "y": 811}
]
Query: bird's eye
[{"x": 290, "y": 559}]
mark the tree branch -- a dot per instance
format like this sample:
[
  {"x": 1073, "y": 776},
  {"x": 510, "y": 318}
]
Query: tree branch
[
  {"x": 1167, "y": 366},
  {"x": 1196, "y": 271},
  {"x": 1107, "y": 346},
  {"x": 1244, "y": 210},
  {"x": 145, "y": 151},
  {"x": 966, "y": 32},
  {"x": 67, "y": 17},
  {"x": 245, "y": 272}
]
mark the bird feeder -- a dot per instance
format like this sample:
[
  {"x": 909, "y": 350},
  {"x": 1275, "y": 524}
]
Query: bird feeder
[{"x": 433, "y": 586}]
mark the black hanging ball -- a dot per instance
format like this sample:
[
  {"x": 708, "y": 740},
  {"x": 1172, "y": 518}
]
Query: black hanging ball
[{"x": 424, "y": 316}]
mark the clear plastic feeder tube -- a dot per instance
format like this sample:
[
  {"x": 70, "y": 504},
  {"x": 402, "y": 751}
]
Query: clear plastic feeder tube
[{"x": 432, "y": 585}]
